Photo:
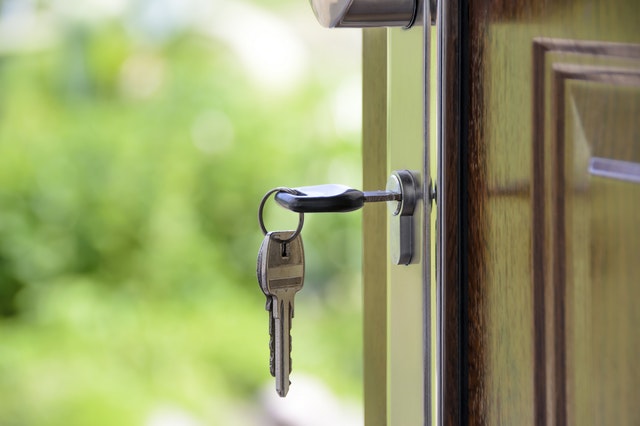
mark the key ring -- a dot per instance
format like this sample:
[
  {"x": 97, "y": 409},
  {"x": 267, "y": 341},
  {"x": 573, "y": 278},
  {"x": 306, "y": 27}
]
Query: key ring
[{"x": 261, "y": 208}]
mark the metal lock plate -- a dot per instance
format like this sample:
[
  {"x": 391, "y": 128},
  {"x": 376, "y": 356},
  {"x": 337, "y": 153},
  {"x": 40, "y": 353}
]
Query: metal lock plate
[{"x": 402, "y": 223}]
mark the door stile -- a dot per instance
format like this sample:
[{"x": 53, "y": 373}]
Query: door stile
[
  {"x": 449, "y": 291},
  {"x": 374, "y": 219},
  {"x": 429, "y": 318},
  {"x": 405, "y": 288},
  {"x": 398, "y": 315}
]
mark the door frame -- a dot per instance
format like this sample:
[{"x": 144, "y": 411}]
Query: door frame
[{"x": 399, "y": 322}]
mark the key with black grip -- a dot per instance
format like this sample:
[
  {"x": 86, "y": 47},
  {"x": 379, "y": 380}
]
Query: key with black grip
[{"x": 331, "y": 198}]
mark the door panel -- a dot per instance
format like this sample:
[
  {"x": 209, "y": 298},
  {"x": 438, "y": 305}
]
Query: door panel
[
  {"x": 583, "y": 119},
  {"x": 540, "y": 193},
  {"x": 595, "y": 236}
]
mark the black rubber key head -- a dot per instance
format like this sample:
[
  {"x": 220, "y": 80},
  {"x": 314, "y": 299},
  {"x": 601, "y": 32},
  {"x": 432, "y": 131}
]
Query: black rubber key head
[{"x": 328, "y": 198}]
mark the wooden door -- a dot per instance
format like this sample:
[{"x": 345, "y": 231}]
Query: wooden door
[{"x": 539, "y": 201}]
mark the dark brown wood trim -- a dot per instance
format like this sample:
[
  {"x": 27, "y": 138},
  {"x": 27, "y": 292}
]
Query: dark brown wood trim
[
  {"x": 448, "y": 271},
  {"x": 539, "y": 236},
  {"x": 474, "y": 229},
  {"x": 586, "y": 47},
  {"x": 559, "y": 248}
]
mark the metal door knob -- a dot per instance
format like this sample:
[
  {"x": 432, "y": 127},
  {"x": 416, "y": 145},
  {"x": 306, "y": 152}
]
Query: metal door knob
[{"x": 367, "y": 13}]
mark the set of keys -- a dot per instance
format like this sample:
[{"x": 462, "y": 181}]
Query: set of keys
[
  {"x": 281, "y": 263},
  {"x": 280, "y": 272}
]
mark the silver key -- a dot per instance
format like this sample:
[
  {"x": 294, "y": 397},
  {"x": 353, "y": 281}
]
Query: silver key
[{"x": 281, "y": 275}]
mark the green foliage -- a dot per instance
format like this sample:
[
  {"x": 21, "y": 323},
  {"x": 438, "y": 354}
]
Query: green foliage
[{"x": 129, "y": 182}]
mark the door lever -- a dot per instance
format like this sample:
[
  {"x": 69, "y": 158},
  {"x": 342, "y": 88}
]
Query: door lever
[{"x": 368, "y": 13}]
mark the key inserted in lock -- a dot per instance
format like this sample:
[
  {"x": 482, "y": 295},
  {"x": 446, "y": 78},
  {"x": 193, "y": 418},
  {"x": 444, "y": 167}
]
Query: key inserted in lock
[
  {"x": 402, "y": 194},
  {"x": 330, "y": 198},
  {"x": 401, "y": 225}
]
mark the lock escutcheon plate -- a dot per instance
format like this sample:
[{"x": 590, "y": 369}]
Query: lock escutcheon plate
[{"x": 402, "y": 223}]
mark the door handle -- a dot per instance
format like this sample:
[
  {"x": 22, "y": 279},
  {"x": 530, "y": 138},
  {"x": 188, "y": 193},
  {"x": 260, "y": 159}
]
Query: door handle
[
  {"x": 367, "y": 13},
  {"x": 371, "y": 13}
]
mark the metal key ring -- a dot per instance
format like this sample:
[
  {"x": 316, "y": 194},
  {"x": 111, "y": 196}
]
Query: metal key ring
[{"x": 261, "y": 208}]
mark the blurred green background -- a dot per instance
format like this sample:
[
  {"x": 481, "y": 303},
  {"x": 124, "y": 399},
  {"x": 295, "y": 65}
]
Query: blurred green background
[{"x": 136, "y": 141}]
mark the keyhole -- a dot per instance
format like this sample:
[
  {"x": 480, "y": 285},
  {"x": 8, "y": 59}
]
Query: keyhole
[{"x": 285, "y": 250}]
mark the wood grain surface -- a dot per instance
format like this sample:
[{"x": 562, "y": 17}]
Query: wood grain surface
[{"x": 539, "y": 256}]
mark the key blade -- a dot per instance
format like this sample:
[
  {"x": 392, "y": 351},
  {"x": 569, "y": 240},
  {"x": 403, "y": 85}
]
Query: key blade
[
  {"x": 283, "y": 345},
  {"x": 284, "y": 277}
]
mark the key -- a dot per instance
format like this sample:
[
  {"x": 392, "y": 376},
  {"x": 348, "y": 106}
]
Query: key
[
  {"x": 331, "y": 198},
  {"x": 281, "y": 275}
]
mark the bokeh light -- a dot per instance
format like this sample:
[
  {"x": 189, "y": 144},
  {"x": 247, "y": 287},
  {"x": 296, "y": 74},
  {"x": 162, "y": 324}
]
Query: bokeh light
[{"x": 136, "y": 141}]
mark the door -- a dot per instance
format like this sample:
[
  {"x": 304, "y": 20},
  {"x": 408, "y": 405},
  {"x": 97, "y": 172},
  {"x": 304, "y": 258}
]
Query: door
[
  {"x": 397, "y": 302},
  {"x": 537, "y": 265},
  {"x": 398, "y": 314},
  {"x": 539, "y": 193}
]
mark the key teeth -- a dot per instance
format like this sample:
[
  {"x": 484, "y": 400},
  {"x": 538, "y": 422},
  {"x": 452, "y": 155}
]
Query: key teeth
[
  {"x": 272, "y": 341},
  {"x": 272, "y": 365}
]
